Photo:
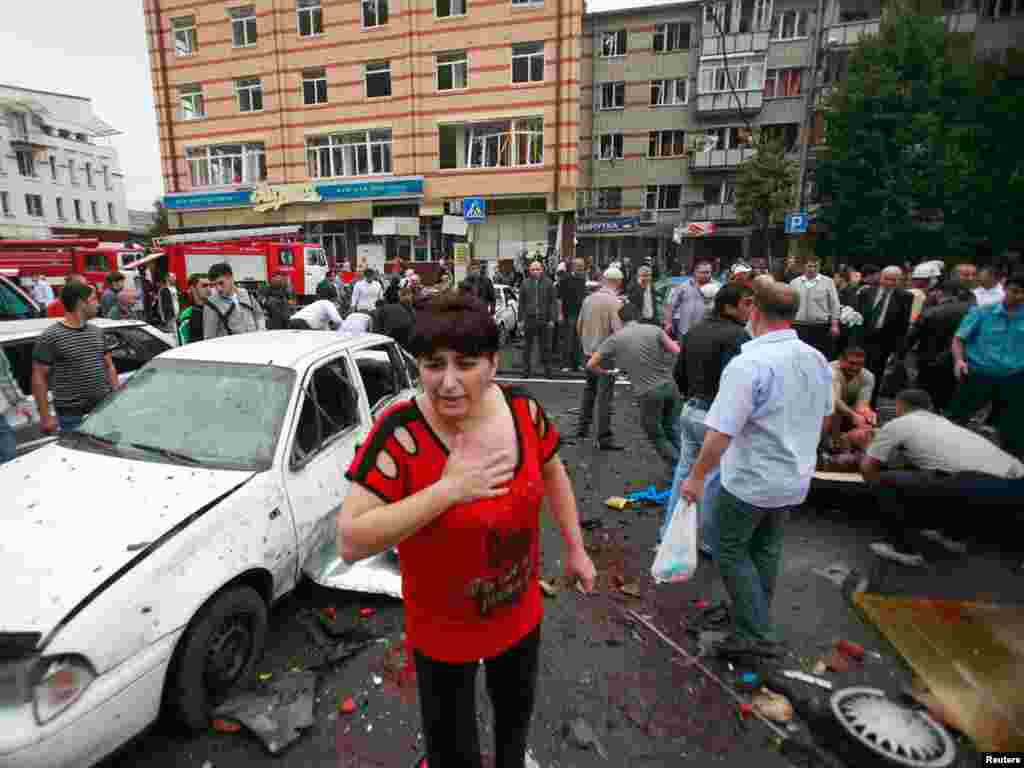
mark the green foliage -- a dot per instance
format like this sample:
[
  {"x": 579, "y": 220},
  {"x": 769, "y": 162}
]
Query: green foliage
[{"x": 766, "y": 186}]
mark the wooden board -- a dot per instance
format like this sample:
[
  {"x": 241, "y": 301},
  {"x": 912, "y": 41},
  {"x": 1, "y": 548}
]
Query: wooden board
[{"x": 969, "y": 655}]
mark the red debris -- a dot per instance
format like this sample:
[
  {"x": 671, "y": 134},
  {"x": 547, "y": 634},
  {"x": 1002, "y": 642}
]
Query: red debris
[
  {"x": 330, "y": 612},
  {"x": 700, "y": 605},
  {"x": 367, "y": 612},
  {"x": 853, "y": 650},
  {"x": 226, "y": 726},
  {"x": 347, "y": 707}
]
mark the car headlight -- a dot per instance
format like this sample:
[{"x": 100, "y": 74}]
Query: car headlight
[{"x": 60, "y": 682}]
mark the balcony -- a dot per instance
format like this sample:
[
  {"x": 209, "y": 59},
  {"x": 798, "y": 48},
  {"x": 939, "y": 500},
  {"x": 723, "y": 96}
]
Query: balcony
[
  {"x": 962, "y": 21},
  {"x": 720, "y": 159},
  {"x": 748, "y": 42},
  {"x": 709, "y": 104},
  {"x": 849, "y": 33},
  {"x": 714, "y": 212}
]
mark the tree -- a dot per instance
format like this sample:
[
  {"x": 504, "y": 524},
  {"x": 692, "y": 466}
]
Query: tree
[
  {"x": 766, "y": 190},
  {"x": 919, "y": 159},
  {"x": 161, "y": 225}
]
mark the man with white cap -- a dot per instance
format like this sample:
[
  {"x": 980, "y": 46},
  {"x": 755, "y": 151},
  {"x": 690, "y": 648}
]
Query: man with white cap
[{"x": 599, "y": 319}]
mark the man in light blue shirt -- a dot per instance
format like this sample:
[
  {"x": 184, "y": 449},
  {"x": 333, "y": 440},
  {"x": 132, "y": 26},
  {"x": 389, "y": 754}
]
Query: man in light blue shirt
[{"x": 764, "y": 428}]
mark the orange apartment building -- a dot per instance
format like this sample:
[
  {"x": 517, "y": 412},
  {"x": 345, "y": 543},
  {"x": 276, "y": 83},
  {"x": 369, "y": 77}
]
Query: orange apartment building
[{"x": 368, "y": 122}]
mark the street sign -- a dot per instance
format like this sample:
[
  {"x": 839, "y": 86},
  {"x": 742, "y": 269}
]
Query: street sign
[
  {"x": 796, "y": 223},
  {"x": 474, "y": 210},
  {"x": 700, "y": 228}
]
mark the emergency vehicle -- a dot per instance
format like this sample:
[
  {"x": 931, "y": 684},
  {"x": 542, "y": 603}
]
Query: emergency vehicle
[
  {"x": 255, "y": 256},
  {"x": 56, "y": 258}
]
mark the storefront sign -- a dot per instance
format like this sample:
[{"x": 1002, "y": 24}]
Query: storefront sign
[
  {"x": 267, "y": 197},
  {"x": 270, "y": 198},
  {"x": 461, "y": 253},
  {"x": 361, "y": 190},
  {"x": 199, "y": 201},
  {"x": 603, "y": 226}
]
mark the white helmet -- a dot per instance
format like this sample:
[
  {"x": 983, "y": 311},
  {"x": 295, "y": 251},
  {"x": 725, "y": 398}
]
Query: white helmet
[{"x": 928, "y": 270}]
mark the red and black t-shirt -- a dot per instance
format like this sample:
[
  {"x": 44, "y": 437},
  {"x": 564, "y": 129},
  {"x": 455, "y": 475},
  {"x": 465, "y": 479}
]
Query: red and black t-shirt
[{"x": 469, "y": 578}]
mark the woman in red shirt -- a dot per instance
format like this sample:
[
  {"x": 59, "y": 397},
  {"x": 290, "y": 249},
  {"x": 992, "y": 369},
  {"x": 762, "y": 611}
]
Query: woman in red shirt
[{"x": 455, "y": 477}]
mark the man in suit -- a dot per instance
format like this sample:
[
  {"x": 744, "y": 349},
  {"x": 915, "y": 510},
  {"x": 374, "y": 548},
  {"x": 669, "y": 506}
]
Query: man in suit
[
  {"x": 886, "y": 311},
  {"x": 641, "y": 296},
  {"x": 538, "y": 308}
]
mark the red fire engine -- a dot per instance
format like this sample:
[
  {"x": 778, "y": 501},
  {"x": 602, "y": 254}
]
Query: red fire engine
[
  {"x": 55, "y": 259},
  {"x": 255, "y": 256}
]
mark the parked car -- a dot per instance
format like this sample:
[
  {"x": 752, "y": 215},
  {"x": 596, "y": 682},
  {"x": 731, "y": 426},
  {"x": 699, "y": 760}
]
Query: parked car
[
  {"x": 506, "y": 312},
  {"x": 16, "y": 303},
  {"x": 229, "y": 455},
  {"x": 132, "y": 344}
]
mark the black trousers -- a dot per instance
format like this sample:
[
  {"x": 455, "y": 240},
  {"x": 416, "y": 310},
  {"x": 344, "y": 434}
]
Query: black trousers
[
  {"x": 297, "y": 324},
  {"x": 876, "y": 354},
  {"x": 572, "y": 351},
  {"x": 536, "y": 334},
  {"x": 937, "y": 380},
  {"x": 448, "y": 706},
  {"x": 817, "y": 335}
]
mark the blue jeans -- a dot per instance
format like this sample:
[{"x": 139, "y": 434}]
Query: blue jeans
[
  {"x": 8, "y": 445},
  {"x": 691, "y": 438},
  {"x": 69, "y": 423}
]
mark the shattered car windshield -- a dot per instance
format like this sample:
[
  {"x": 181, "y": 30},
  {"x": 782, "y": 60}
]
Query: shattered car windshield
[{"x": 214, "y": 414}]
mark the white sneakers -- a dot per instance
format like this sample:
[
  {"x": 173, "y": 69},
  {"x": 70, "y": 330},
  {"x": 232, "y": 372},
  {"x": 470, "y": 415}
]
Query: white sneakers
[
  {"x": 951, "y": 545},
  {"x": 887, "y": 551}
]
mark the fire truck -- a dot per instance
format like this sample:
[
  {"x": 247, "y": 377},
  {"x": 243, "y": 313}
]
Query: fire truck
[
  {"x": 255, "y": 256},
  {"x": 22, "y": 260}
]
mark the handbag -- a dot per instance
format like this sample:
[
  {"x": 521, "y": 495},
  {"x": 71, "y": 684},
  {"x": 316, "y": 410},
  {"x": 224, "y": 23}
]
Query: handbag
[{"x": 676, "y": 560}]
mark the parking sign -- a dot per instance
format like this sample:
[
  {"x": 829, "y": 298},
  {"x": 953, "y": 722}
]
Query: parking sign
[{"x": 796, "y": 223}]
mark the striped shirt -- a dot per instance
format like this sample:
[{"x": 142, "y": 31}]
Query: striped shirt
[{"x": 78, "y": 372}]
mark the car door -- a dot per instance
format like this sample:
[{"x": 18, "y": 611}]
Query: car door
[
  {"x": 131, "y": 347},
  {"x": 384, "y": 372},
  {"x": 329, "y": 423}
]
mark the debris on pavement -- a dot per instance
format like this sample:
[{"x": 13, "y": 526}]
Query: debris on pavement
[
  {"x": 774, "y": 706},
  {"x": 803, "y": 677},
  {"x": 853, "y": 650},
  {"x": 548, "y": 589},
  {"x": 617, "y": 502},
  {"x": 650, "y": 496},
  {"x": 367, "y": 612},
  {"x": 277, "y": 713},
  {"x": 837, "y": 573},
  {"x": 582, "y": 736},
  {"x": 347, "y": 707},
  {"x": 837, "y": 662},
  {"x": 225, "y": 726}
]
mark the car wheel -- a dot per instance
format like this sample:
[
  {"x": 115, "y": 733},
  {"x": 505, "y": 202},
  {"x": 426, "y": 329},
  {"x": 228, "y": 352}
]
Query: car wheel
[{"x": 219, "y": 650}]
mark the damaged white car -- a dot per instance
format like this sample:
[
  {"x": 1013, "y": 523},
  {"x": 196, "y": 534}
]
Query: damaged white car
[{"x": 141, "y": 554}]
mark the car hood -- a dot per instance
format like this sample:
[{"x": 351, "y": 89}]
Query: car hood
[{"x": 77, "y": 518}]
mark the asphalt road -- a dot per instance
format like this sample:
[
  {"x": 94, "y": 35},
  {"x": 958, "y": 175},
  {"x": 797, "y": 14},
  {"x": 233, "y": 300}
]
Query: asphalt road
[{"x": 645, "y": 709}]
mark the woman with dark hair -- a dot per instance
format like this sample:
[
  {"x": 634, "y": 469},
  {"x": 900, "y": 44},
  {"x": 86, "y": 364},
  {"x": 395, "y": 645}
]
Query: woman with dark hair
[{"x": 455, "y": 478}]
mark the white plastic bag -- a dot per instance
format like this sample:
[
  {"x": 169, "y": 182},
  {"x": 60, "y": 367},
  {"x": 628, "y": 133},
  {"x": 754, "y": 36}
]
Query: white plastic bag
[{"x": 677, "y": 555}]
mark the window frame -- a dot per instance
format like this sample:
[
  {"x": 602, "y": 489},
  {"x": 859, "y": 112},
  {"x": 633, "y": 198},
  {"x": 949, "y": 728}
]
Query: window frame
[
  {"x": 453, "y": 64},
  {"x": 248, "y": 158},
  {"x": 616, "y": 145},
  {"x": 335, "y": 150},
  {"x": 772, "y": 76},
  {"x": 314, "y": 76},
  {"x": 615, "y": 86},
  {"x": 53, "y": 168},
  {"x": 465, "y": 9},
  {"x": 323, "y": 442},
  {"x": 191, "y": 93},
  {"x": 658, "y": 136},
  {"x": 398, "y": 374},
  {"x": 89, "y": 181},
  {"x": 94, "y": 209},
  {"x": 26, "y": 164},
  {"x": 246, "y": 85},
  {"x": 779, "y": 24},
  {"x": 60, "y": 209},
  {"x": 77, "y": 205},
  {"x": 618, "y": 37},
  {"x": 5, "y": 203},
  {"x": 529, "y": 57},
  {"x": 314, "y": 10},
  {"x": 753, "y": 65},
  {"x": 111, "y": 213},
  {"x": 663, "y": 30},
  {"x": 507, "y": 143},
  {"x": 663, "y": 89},
  {"x": 243, "y": 18},
  {"x": 31, "y": 197},
  {"x": 606, "y": 195},
  {"x": 385, "y": 68},
  {"x": 661, "y": 194},
  {"x": 72, "y": 174},
  {"x": 378, "y": 5},
  {"x": 191, "y": 36}
]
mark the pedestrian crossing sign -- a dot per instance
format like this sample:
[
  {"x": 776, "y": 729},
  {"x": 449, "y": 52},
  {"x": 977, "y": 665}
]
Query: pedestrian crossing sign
[{"x": 474, "y": 210}]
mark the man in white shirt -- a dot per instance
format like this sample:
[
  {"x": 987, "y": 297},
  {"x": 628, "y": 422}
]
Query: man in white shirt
[
  {"x": 319, "y": 316},
  {"x": 357, "y": 322},
  {"x": 41, "y": 291},
  {"x": 366, "y": 293},
  {"x": 991, "y": 290},
  {"x": 817, "y": 322}
]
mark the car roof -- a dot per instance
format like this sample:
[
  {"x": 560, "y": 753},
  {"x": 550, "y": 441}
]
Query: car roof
[
  {"x": 24, "y": 330},
  {"x": 290, "y": 348}
]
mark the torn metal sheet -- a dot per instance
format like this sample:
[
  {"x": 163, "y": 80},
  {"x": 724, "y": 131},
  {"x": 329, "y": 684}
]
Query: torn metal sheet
[
  {"x": 378, "y": 575},
  {"x": 278, "y": 714}
]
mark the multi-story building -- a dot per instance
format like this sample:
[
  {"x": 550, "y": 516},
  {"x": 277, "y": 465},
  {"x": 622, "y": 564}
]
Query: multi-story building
[
  {"x": 58, "y": 173},
  {"x": 367, "y": 123}
]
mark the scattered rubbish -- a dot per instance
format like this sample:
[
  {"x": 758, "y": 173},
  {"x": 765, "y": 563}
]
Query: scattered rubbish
[
  {"x": 330, "y": 612},
  {"x": 749, "y": 681},
  {"x": 837, "y": 662},
  {"x": 803, "y": 677},
  {"x": 347, "y": 707},
  {"x": 367, "y": 612},
  {"x": 377, "y": 680},
  {"x": 774, "y": 706},
  {"x": 582, "y": 736},
  {"x": 276, "y": 715},
  {"x": 264, "y": 676},
  {"x": 591, "y": 523},
  {"x": 617, "y": 502},
  {"x": 700, "y": 605},
  {"x": 225, "y": 726},
  {"x": 837, "y": 573},
  {"x": 853, "y": 650},
  {"x": 548, "y": 589},
  {"x": 745, "y": 711},
  {"x": 820, "y": 668},
  {"x": 633, "y": 590}
]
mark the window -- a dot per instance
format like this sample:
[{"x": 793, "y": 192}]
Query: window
[
  {"x": 330, "y": 407},
  {"x": 671, "y": 37},
  {"x": 789, "y": 25},
  {"x": 734, "y": 137},
  {"x": 78, "y": 211},
  {"x": 311, "y": 18},
  {"x": 780, "y": 83},
  {"x": 72, "y": 174},
  {"x": 314, "y": 86},
  {"x": 452, "y": 71},
  {"x": 527, "y": 2},
  {"x": 378, "y": 80},
  {"x": 382, "y": 372},
  {"x": 609, "y": 199},
  {"x": 611, "y": 96},
  {"x": 95, "y": 209},
  {"x": 185, "y": 41},
  {"x": 505, "y": 143},
  {"x": 60, "y": 208},
  {"x": 359, "y": 153},
  {"x": 763, "y": 14},
  {"x": 720, "y": 194},
  {"x": 53, "y": 167},
  {"x": 744, "y": 76},
  {"x": 668, "y": 93},
  {"x": 243, "y": 26},
  {"x": 528, "y": 63},
  {"x": 613, "y": 43},
  {"x": 106, "y": 178},
  {"x": 226, "y": 164},
  {"x": 19, "y": 125},
  {"x": 786, "y": 133},
  {"x": 5, "y": 204},
  {"x": 375, "y": 13},
  {"x": 671, "y": 143},
  {"x": 250, "y": 94},
  {"x": 611, "y": 146},
  {"x": 34, "y": 205},
  {"x": 88, "y": 176},
  {"x": 447, "y": 8},
  {"x": 26, "y": 163},
  {"x": 663, "y": 197},
  {"x": 193, "y": 105}
]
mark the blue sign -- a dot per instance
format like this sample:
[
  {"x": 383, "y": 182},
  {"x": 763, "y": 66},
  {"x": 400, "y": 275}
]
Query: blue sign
[
  {"x": 197, "y": 201},
  {"x": 601, "y": 226},
  {"x": 363, "y": 190},
  {"x": 796, "y": 223},
  {"x": 474, "y": 210}
]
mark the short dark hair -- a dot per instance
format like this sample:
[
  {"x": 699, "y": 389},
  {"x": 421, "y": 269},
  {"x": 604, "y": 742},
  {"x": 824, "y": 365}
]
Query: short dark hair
[
  {"x": 114, "y": 277},
  {"x": 730, "y": 295},
  {"x": 1017, "y": 279},
  {"x": 870, "y": 269},
  {"x": 460, "y": 322},
  {"x": 73, "y": 294},
  {"x": 219, "y": 270},
  {"x": 917, "y": 399},
  {"x": 849, "y": 351},
  {"x": 702, "y": 262},
  {"x": 627, "y": 312},
  {"x": 195, "y": 277}
]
